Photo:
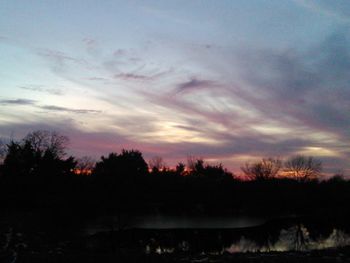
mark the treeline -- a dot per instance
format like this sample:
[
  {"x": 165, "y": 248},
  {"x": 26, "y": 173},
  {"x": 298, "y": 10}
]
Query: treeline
[
  {"x": 43, "y": 153},
  {"x": 36, "y": 173}
]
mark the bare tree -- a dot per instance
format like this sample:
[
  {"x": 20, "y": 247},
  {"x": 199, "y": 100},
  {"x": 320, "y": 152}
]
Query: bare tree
[
  {"x": 42, "y": 141},
  {"x": 156, "y": 163},
  {"x": 180, "y": 168},
  {"x": 84, "y": 166},
  {"x": 40, "y": 153},
  {"x": 303, "y": 168},
  {"x": 2, "y": 150},
  {"x": 193, "y": 163},
  {"x": 263, "y": 170}
]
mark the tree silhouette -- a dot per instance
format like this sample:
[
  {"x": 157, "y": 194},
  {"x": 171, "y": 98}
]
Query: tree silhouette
[
  {"x": 216, "y": 173},
  {"x": 51, "y": 164},
  {"x": 156, "y": 164},
  {"x": 180, "y": 168},
  {"x": 131, "y": 161},
  {"x": 39, "y": 153},
  {"x": 125, "y": 166},
  {"x": 2, "y": 150},
  {"x": 84, "y": 166},
  {"x": 266, "y": 169},
  {"x": 192, "y": 161},
  {"x": 200, "y": 169},
  {"x": 20, "y": 160},
  {"x": 303, "y": 168},
  {"x": 337, "y": 178},
  {"x": 108, "y": 166},
  {"x": 48, "y": 141}
]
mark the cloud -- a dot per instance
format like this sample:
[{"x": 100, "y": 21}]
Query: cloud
[
  {"x": 34, "y": 103},
  {"x": 120, "y": 52},
  {"x": 339, "y": 10},
  {"x": 311, "y": 88},
  {"x": 60, "y": 61},
  {"x": 149, "y": 75},
  {"x": 230, "y": 152},
  {"x": 194, "y": 84},
  {"x": 18, "y": 102},
  {"x": 90, "y": 43},
  {"x": 58, "y": 56},
  {"x": 36, "y": 88},
  {"x": 189, "y": 128},
  {"x": 97, "y": 79},
  {"x": 131, "y": 76},
  {"x": 125, "y": 56},
  {"x": 261, "y": 102},
  {"x": 274, "y": 103},
  {"x": 69, "y": 110}
]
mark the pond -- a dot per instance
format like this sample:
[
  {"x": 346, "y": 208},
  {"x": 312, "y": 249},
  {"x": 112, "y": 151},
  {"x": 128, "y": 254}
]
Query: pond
[
  {"x": 158, "y": 221},
  {"x": 232, "y": 234}
]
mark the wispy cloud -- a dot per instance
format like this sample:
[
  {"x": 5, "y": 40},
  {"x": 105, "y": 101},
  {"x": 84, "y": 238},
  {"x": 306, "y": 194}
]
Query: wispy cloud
[
  {"x": 69, "y": 110},
  {"x": 90, "y": 42},
  {"x": 283, "y": 102},
  {"x": 143, "y": 74},
  {"x": 194, "y": 84},
  {"x": 120, "y": 52},
  {"x": 58, "y": 56},
  {"x": 311, "y": 88},
  {"x": 34, "y": 103},
  {"x": 97, "y": 79},
  {"x": 42, "y": 89},
  {"x": 60, "y": 61},
  {"x": 339, "y": 10},
  {"x": 18, "y": 102},
  {"x": 131, "y": 76}
]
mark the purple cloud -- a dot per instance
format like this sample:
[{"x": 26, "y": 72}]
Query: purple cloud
[
  {"x": 18, "y": 102},
  {"x": 69, "y": 110},
  {"x": 194, "y": 84},
  {"x": 131, "y": 76}
]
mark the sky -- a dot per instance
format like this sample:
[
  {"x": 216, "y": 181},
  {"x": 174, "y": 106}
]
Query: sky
[{"x": 230, "y": 81}]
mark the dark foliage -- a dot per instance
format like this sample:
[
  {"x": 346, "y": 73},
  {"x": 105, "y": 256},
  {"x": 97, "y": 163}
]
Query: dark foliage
[
  {"x": 123, "y": 183},
  {"x": 266, "y": 169},
  {"x": 39, "y": 154},
  {"x": 303, "y": 168},
  {"x": 127, "y": 166}
]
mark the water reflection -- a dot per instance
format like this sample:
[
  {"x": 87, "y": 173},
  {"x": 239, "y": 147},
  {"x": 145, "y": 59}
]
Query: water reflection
[
  {"x": 214, "y": 235},
  {"x": 184, "y": 222},
  {"x": 158, "y": 221},
  {"x": 295, "y": 238}
]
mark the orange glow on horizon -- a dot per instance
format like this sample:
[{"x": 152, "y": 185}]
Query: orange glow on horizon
[{"x": 78, "y": 171}]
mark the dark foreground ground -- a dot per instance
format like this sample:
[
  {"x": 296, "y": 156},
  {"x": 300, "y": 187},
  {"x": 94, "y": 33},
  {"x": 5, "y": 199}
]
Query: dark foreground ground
[
  {"x": 38, "y": 239},
  {"x": 330, "y": 255},
  {"x": 336, "y": 255}
]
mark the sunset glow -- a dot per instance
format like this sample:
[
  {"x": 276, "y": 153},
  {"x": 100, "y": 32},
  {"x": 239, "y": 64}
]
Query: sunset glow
[{"x": 179, "y": 78}]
